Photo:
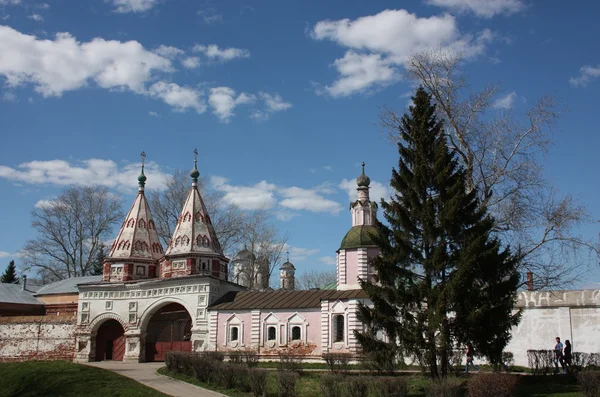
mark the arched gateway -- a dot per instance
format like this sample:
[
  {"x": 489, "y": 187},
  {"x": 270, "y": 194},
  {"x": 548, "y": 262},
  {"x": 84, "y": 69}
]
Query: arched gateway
[
  {"x": 169, "y": 329},
  {"x": 110, "y": 341}
]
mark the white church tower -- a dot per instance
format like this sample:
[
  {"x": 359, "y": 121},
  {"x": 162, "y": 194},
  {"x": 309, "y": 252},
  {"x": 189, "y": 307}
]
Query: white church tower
[{"x": 357, "y": 246}]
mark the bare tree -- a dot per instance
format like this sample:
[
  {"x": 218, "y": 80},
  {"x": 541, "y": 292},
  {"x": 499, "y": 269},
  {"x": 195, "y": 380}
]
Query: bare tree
[
  {"x": 501, "y": 151},
  {"x": 315, "y": 279},
  {"x": 228, "y": 220},
  {"x": 70, "y": 231},
  {"x": 267, "y": 248}
]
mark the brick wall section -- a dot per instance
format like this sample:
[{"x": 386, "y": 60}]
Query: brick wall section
[{"x": 37, "y": 338}]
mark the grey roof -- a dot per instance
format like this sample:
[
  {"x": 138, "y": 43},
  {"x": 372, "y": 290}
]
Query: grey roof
[
  {"x": 282, "y": 299},
  {"x": 66, "y": 286},
  {"x": 288, "y": 266},
  {"x": 13, "y": 293}
]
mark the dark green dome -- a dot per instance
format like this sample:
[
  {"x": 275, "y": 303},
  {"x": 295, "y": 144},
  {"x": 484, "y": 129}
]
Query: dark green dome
[
  {"x": 195, "y": 173},
  {"x": 360, "y": 236},
  {"x": 363, "y": 180},
  {"x": 142, "y": 178}
]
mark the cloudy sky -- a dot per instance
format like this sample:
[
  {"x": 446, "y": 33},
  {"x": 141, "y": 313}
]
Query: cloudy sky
[{"x": 281, "y": 98}]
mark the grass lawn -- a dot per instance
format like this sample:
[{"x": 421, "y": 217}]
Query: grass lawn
[
  {"x": 308, "y": 385},
  {"x": 66, "y": 379}
]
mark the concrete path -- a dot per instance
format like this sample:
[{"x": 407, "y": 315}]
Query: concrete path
[{"x": 145, "y": 373}]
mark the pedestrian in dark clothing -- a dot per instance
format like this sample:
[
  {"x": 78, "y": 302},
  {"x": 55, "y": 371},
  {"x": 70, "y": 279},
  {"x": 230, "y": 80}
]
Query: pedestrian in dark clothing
[
  {"x": 470, "y": 355},
  {"x": 566, "y": 362}
]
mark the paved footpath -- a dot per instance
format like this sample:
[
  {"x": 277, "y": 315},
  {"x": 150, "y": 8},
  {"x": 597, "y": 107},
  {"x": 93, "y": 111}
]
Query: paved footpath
[{"x": 145, "y": 373}]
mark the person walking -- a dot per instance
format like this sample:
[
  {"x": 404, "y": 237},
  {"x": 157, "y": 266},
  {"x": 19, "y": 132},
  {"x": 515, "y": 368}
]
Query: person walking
[
  {"x": 566, "y": 360},
  {"x": 558, "y": 354},
  {"x": 470, "y": 355}
]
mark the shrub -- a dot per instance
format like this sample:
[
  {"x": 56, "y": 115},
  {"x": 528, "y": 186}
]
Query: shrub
[
  {"x": 540, "y": 361},
  {"x": 381, "y": 361},
  {"x": 508, "y": 358},
  {"x": 389, "y": 387},
  {"x": 214, "y": 355},
  {"x": 257, "y": 379},
  {"x": 290, "y": 362},
  {"x": 445, "y": 388},
  {"x": 493, "y": 385},
  {"x": 227, "y": 374},
  {"x": 590, "y": 383},
  {"x": 206, "y": 369},
  {"x": 171, "y": 361},
  {"x": 337, "y": 362},
  {"x": 236, "y": 357},
  {"x": 286, "y": 383},
  {"x": 251, "y": 359},
  {"x": 357, "y": 386},
  {"x": 331, "y": 386},
  {"x": 242, "y": 380}
]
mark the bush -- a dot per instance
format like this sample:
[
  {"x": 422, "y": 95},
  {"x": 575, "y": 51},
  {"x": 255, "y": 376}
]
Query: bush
[
  {"x": 445, "y": 388},
  {"x": 206, "y": 369},
  {"x": 236, "y": 357},
  {"x": 243, "y": 381},
  {"x": 541, "y": 361},
  {"x": 257, "y": 379},
  {"x": 286, "y": 383},
  {"x": 331, "y": 386},
  {"x": 590, "y": 383},
  {"x": 227, "y": 375},
  {"x": 357, "y": 386},
  {"x": 381, "y": 361},
  {"x": 493, "y": 385},
  {"x": 290, "y": 362},
  {"x": 337, "y": 362},
  {"x": 389, "y": 387},
  {"x": 508, "y": 358},
  {"x": 214, "y": 355}
]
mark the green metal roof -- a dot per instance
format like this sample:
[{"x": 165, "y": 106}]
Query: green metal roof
[{"x": 359, "y": 236}]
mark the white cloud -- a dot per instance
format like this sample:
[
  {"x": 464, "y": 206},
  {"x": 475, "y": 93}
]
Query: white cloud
[
  {"x": 297, "y": 198},
  {"x": 153, "y": 114},
  {"x": 44, "y": 203},
  {"x": 168, "y": 51},
  {"x": 191, "y": 62},
  {"x": 273, "y": 103},
  {"x": 223, "y": 101},
  {"x": 210, "y": 15},
  {"x": 258, "y": 196},
  {"x": 587, "y": 73},
  {"x": 6, "y": 254},
  {"x": 92, "y": 171},
  {"x": 505, "y": 102},
  {"x": 328, "y": 260},
  {"x": 10, "y": 2},
  {"x": 485, "y": 8},
  {"x": 298, "y": 254},
  {"x": 180, "y": 98},
  {"x": 328, "y": 167},
  {"x": 9, "y": 96},
  {"x": 378, "y": 45},
  {"x": 36, "y": 17},
  {"x": 377, "y": 190},
  {"x": 64, "y": 64},
  {"x": 125, "y": 6},
  {"x": 215, "y": 53},
  {"x": 285, "y": 216}
]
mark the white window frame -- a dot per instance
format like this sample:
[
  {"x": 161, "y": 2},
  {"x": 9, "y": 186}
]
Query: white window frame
[
  {"x": 271, "y": 320},
  {"x": 297, "y": 320},
  {"x": 234, "y": 321}
]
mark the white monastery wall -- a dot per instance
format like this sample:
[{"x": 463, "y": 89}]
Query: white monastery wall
[
  {"x": 37, "y": 338},
  {"x": 573, "y": 315}
]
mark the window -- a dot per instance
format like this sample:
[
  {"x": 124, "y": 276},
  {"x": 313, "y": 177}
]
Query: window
[
  {"x": 271, "y": 333},
  {"x": 234, "y": 334},
  {"x": 296, "y": 333},
  {"x": 338, "y": 328},
  {"x": 140, "y": 270}
]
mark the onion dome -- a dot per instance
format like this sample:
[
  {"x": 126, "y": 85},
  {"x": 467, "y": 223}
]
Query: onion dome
[
  {"x": 195, "y": 173},
  {"x": 360, "y": 237},
  {"x": 287, "y": 266},
  {"x": 142, "y": 177},
  {"x": 244, "y": 255},
  {"x": 363, "y": 180}
]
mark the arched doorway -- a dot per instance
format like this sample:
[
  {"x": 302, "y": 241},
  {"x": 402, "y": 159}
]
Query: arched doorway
[
  {"x": 169, "y": 329},
  {"x": 110, "y": 341}
]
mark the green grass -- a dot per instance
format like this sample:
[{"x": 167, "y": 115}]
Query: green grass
[
  {"x": 308, "y": 385},
  {"x": 66, "y": 379}
]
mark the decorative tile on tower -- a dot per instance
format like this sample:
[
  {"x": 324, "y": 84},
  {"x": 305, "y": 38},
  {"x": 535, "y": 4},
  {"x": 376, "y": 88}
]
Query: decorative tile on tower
[
  {"x": 194, "y": 246},
  {"x": 137, "y": 249}
]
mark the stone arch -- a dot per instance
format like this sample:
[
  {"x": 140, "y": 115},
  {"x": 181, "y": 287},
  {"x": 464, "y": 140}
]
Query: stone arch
[
  {"x": 159, "y": 304},
  {"x": 100, "y": 319}
]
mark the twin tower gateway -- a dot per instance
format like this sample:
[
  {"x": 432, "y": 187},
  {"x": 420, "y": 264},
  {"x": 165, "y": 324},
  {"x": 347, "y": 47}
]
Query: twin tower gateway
[{"x": 151, "y": 301}]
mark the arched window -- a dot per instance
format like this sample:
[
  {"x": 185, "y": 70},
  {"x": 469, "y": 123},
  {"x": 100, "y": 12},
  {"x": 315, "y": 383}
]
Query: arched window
[
  {"x": 141, "y": 223},
  {"x": 271, "y": 333},
  {"x": 185, "y": 240},
  {"x": 177, "y": 241},
  {"x": 338, "y": 328},
  {"x": 187, "y": 217},
  {"x": 198, "y": 217},
  {"x": 296, "y": 333},
  {"x": 144, "y": 246},
  {"x": 234, "y": 334},
  {"x": 151, "y": 225},
  {"x": 137, "y": 246},
  {"x": 126, "y": 245}
]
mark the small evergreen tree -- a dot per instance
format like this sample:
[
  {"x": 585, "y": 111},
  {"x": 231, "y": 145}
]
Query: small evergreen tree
[
  {"x": 442, "y": 280},
  {"x": 97, "y": 269},
  {"x": 10, "y": 274}
]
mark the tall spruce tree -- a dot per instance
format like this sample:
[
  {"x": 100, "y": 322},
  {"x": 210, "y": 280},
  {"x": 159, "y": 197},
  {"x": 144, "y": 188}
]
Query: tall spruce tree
[
  {"x": 10, "y": 274},
  {"x": 97, "y": 269},
  {"x": 442, "y": 280}
]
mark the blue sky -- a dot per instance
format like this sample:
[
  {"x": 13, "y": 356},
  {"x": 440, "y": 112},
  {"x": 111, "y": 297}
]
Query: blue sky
[{"x": 281, "y": 98}]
